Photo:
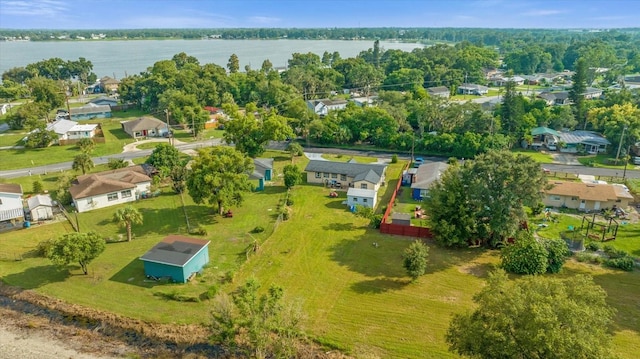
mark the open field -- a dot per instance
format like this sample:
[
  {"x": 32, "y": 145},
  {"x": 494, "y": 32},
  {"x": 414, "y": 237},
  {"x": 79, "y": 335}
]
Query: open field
[
  {"x": 357, "y": 297},
  {"x": 345, "y": 158},
  {"x": 535, "y": 155},
  {"x": 604, "y": 161}
]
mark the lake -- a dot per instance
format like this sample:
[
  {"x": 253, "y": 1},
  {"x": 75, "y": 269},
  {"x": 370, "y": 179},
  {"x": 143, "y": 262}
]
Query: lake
[{"x": 121, "y": 58}]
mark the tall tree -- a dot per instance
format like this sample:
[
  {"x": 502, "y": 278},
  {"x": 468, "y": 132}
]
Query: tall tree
[
  {"x": 292, "y": 176},
  {"x": 81, "y": 248},
  {"x": 86, "y": 145},
  {"x": 164, "y": 158},
  {"x": 233, "y": 64},
  {"x": 82, "y": 162},
  {"x": 127, "y": 217},
  {"x": 47, "y": 92},
  {"x": 220, "y": 176},
  {"x": 535, "y": 317},
  {"x": 483, "y": 200},
  {"x": 578, "y": 88}
]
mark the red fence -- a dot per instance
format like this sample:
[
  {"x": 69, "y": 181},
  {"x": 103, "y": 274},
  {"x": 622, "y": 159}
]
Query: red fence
[{"x": 401, "y": 230}]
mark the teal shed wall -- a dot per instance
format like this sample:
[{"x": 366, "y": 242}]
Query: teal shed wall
[
  {"x": 267, "y": 175},
  {"x": 178, "y": 274}
]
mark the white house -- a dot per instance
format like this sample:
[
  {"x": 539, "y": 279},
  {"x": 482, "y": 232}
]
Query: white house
[
  {"x": 362, "y": 197},
  {"x": 109, "y": 188},
  {"x": 323, "y": 106},
  {"x": 473, "y": 89},
  {"x": 71, "y": 130},
  {"x": 41, "y": 207},
  {"x": 346, "y": 174},
  {"x": 145, "y": 127},
  {"x": 11, "y": 208}
]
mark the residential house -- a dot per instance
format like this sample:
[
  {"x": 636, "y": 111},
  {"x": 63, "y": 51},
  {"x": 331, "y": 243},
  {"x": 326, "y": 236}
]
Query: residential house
[
  {"x": 90, "y": 111},
  {"x": 473, "y": 89},
  {"x": 362, "y": 197},
  {"x": 591, "y": 142},
  {"x": 586, "y": 196},
  {"x": 11, "y": 207},
  {"x": 41, "y": 207},
  {"x": 424, "y": 177},
  {"x": 104, "y": 100},
  {"x": 263, "y": 171},
  {"x": 592, "y": 93},
  {"x": 145, "y": 127},
  {"x": 346, "y": 174},
  {"x": 439, "y": 91},
  {"x": 71, "y": 130},
  {"x": 4, "y": 108},
  {"x": 178, "y": 258},
  {"x": 364, "y": 101},
  {"x": 502, "y": 80},
  {"x": 108, "y": 85},
  {"x": 109, "y": 188},
  {"x": 555, "y": 98},
  {"x": 323, "y": 106}
]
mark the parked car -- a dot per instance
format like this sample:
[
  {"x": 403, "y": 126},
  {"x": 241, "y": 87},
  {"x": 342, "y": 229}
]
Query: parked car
[{"x": 636, "y": 160}]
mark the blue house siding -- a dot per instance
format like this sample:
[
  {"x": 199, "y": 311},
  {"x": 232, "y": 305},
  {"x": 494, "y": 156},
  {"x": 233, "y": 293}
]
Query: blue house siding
[
  {"x": 159, "y": 270},
  {"x": 415, "y": 192},
  {"x": 196, "y": 263}
]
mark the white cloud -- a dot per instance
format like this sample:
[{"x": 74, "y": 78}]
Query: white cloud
[
  {"x": 46, "y": 8},
  {"x": 543, "y": 12},
  {"x": 263, "y": 20}
]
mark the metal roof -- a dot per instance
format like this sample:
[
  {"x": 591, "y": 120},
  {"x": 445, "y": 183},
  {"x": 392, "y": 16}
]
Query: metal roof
[
  {"x": 544, "y": 131},
  {"x": 348, "y": 169},
  {"x": 175, "y": 250},
  {"x": 589, "y": 137},
  {"x": 360, "y": 192}
]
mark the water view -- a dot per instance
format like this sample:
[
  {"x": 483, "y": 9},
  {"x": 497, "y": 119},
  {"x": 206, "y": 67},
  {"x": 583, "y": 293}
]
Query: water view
[{"x": 121, "y": 58}]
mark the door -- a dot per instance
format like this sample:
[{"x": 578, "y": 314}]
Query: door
[
  {"x": 582, "y": 204},
  {"x": 596, "y": 206}
]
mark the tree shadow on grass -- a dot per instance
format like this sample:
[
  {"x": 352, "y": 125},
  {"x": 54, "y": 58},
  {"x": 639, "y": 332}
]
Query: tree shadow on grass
[
  {"x": 378, "y": 286},
  {"x": 36, "y": 277},
  {"x": 441, "y": 258},
  {"x": 337, "y": 204},
  {"x": 339, "y": 227}
]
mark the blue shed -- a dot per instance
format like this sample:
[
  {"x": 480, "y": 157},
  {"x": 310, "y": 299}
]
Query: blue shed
[{"x": 177, "y": 257}]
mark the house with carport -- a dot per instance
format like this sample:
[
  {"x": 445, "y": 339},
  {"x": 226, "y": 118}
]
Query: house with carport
[
  {"x": 473, "y": 89},
  {"x": 585, "y": 196},
  {"x": 177, "y": 258},
  {"x": 346, "y": 174},
  {"x": 90, "y": 111},
  {"x": 110, "y": 188}
]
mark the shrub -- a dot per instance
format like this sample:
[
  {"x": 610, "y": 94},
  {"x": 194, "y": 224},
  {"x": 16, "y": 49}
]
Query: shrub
[
  {"x": 394, "y": 158},
  {"x": 289, "y": 202},
  {"x": 589, "y": 258},
  {"x": 284, "y": 212},
  {"x": 375, "y": 221},
  {"x": 525, "y": 256},
  {"x": 537, "y": 208},
  {"x": 228, "y": 276},
  {"x": 177, "y": 296},
  {"x": 593, "y": 246},
  {"x": 614, "y": 253},
  {"x": 199, "y": 230},
  {"x": 557, "y": 254},
  {"x": 210, "y": 293},
  {"x": 43, "y": 248},
  {"x": 624, "y": 263},
  {"x": 37, "y": 187},
  {"x": 257, "y": 229}
]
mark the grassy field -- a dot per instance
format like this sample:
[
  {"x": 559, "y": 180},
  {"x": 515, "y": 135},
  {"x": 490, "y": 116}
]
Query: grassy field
[
  {"x": 535, "y": 155},
  {"x": 343, "y": 158},
  {"x": 356, "y": 296},
  {"x": 603, "y": 160},
  {"x": 12, "y": 138}
]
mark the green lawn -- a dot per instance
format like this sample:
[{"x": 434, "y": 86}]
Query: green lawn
[
  {"x": 148, "y": 145},
  {"x": 603, "y": 160},
  {"x": 343, "y": 158},
  {"x": 535, "y": 155},
  {"x": 12, "y": 138}
]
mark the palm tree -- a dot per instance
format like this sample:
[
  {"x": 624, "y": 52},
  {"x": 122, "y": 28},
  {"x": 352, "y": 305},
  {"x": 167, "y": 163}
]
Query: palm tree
[
  {"x": 82, "y": 162},
  {"x": 126, "y": 217}
]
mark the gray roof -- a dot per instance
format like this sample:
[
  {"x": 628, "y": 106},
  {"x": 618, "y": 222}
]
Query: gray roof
[
  {"x": 360, "y": 192},
  {"x": 428, "y": 173},
  {"x": 175, "y": 250},
  {"x": 89, "y": 109},
  {"x": 473, "y": 87},
  {"x": 344, "y": 168},
  {"x": 438, "y": 89},
  {"x": 587, "y": 137},
  {"x": 103, "y": 99},
  {"x": 369, "y": 176},
  {"x": 39, "y": 200},
  {"x": 142, "y": 123}
]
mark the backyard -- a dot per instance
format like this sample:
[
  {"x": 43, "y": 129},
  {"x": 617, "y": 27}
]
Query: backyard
[{"x": 356, "y": 296}]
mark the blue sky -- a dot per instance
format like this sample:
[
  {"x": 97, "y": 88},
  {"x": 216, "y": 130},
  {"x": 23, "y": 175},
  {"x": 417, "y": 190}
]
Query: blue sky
[{"x": 130, "y": 14}]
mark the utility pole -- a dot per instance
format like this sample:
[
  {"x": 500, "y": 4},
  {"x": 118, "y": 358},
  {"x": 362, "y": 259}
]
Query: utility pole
[
  {"x": 626, "y": 162},
  {"x": 620, "y": 144},
  {"x": 166, "y": 112}
]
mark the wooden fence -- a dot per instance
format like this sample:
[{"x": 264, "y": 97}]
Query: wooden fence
[{"x": 397, "y": 229}]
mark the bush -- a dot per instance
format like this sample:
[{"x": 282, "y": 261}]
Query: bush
[
  {"x": 537, "y": 208},
  {"x": 210, "y": 293},
  {"x": 593, "y": 246},
  {"x": 43, "y": 248},
  {"x": 589, "y": 258},
  {"x": 394, "y": 158},
  {"x": 37, "y": 187},
  {"x": 289, "y": 202},
  {"x": 525, "y": 256},
  {"x": 557, "y": 254},
  {"x": 199, "y": 230},
  {"x": 177, "y": 296},
  {"x": 285, "y": 214},
  {"x": 614, "y": 253},
  {"x": 257, "y": 229},
  {"x": 624, "y": 263},
  {"x": 375, "y": 221}
]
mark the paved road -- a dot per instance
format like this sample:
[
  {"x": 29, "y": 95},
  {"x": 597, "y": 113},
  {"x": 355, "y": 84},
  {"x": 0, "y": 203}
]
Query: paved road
[{"x": 602, "y": 172}]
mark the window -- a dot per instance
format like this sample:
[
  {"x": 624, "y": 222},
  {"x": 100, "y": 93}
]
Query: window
[
  {"x": 343, "y": 177},
  {"x": 126, "y": 193},
  {"x": 574, "y": 198},
  {"x": 334, "y": 175},
  {"x": 325, "y": 175},
  {"x": 318, "y": 174},
  {"x": 555, "y": 198},
  {"x": 618, "y": 200},
  {"x": 365, "y": 200},
  {"x": 0, "y": 201},
  {"x": 355, "y": 199},
  {"x": 363, "y": 185},
  {"x": 112, "y": 196}
]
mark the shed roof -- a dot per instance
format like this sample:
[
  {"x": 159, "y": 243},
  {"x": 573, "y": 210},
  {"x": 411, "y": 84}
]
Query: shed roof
[
  {"x": 360, "y": 192},
  {"x": 175, "y": 250},
  {"x": 544, "y": 131},
  {"x": 39, "y": 200}
]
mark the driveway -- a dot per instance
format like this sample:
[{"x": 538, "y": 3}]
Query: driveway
[{"x": 565, "y": 159}]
